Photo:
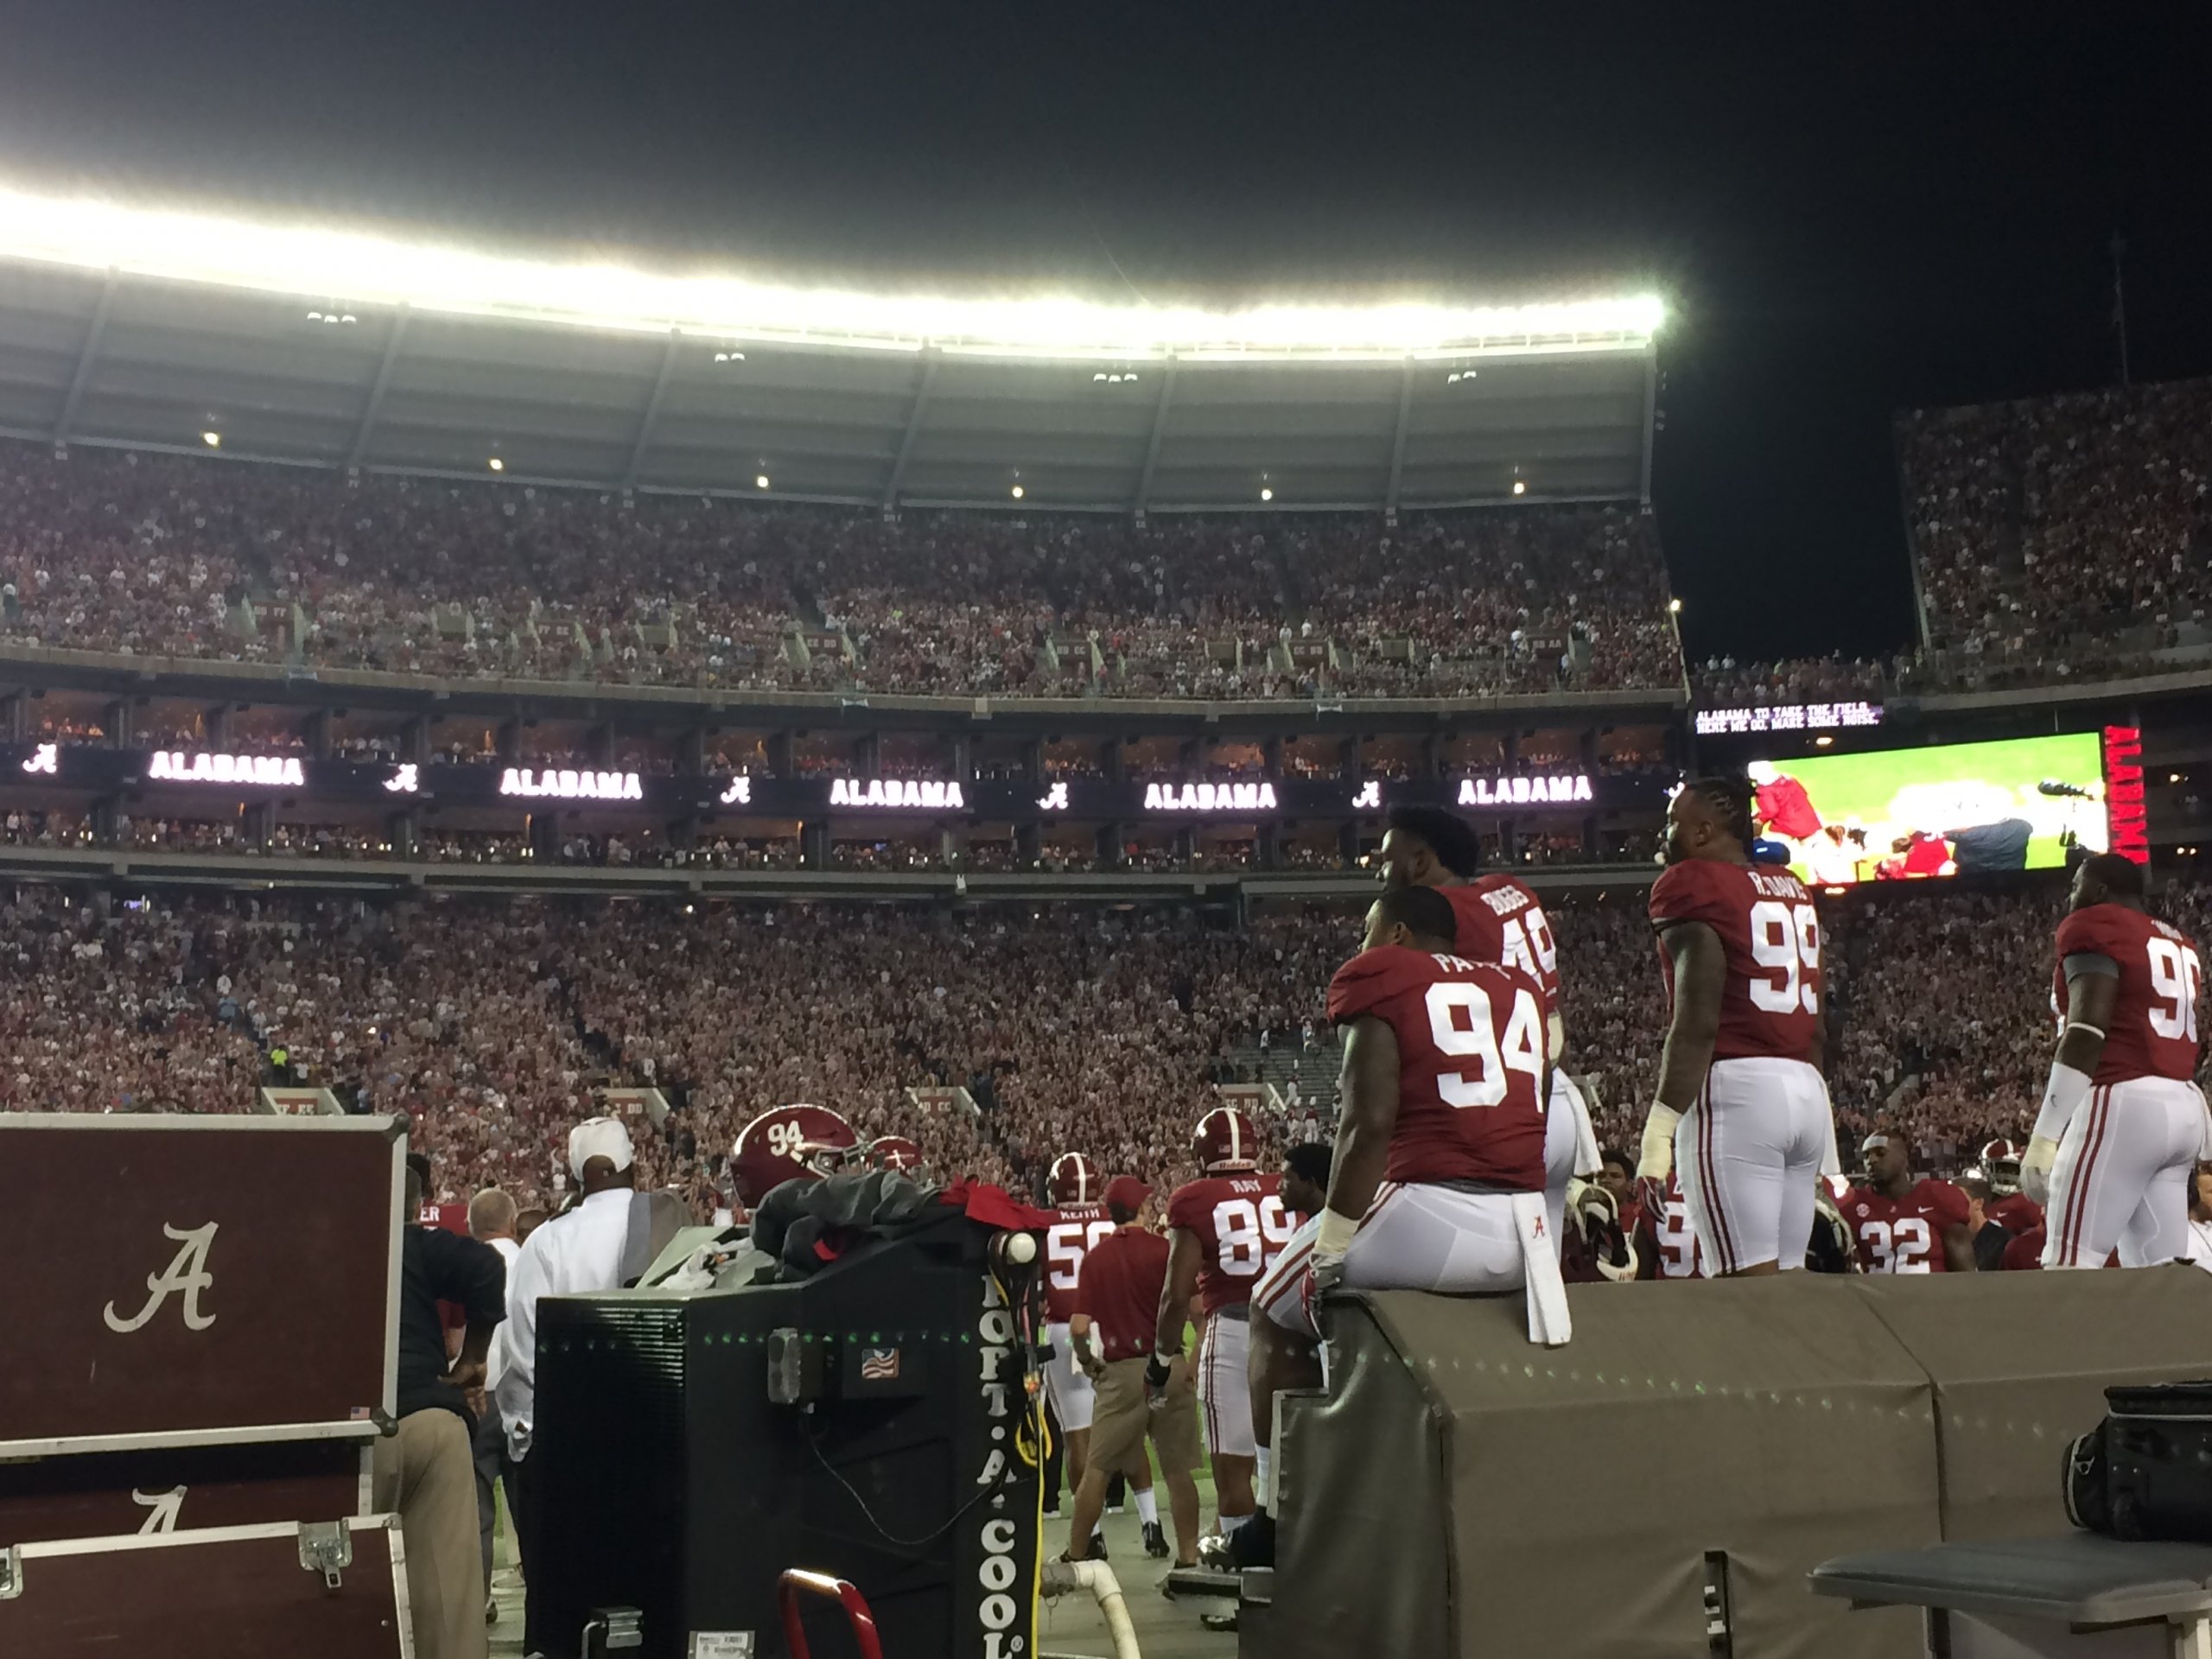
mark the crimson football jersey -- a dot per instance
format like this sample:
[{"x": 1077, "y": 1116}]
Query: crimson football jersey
[
  {"x": 1904, "y": 1235},
  {"x": 1667, "y": 1233},
  {"x": 2015, "y": 1213},
  {"x": 1075, "y": 1228},
  {"x": 1501, "y": 921},
  {"x": 2154, "y": 1019},
  {"x": 1770, "y": 938},
  {"x": 1241, "y": 1225},
  {"x": 1470, "y": 1063}
]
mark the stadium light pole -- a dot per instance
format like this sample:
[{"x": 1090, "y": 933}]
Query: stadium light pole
[
  {"x": 2119, "y": 303},
  {"x": 83, "y": 372}
]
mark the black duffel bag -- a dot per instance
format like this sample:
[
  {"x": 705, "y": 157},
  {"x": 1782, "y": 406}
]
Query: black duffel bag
[{"x": 2144, "y": 1473}]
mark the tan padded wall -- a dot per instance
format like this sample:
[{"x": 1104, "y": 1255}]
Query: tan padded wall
[
  {"x": 1562, "y": 1501},
  {"x": 2020, "y": 1361}
]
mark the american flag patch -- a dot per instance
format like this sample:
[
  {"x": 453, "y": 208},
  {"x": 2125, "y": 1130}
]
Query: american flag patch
[{"x": 878, "y": 1364}]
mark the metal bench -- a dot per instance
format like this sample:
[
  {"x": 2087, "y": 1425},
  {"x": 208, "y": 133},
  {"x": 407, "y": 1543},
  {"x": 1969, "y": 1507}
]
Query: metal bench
[{"x": 2079, "y": 1595}]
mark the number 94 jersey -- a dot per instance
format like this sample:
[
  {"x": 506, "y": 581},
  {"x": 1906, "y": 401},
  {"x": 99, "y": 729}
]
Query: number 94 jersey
[
  {"x": 1241, "y": 1228},
  {"x": 1770, "y": 938},
  {"x": 1470, "y": 1063},
  {"x": 2154, "y": 1028}
]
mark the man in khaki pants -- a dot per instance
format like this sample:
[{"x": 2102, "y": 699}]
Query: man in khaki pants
[
  {"x": 425, "y": 1473},
  {"x": 1116, "y": 1306}
]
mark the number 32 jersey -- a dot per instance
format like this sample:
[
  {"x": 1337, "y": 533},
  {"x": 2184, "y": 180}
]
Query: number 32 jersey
[
  {"x": 2154, "y": 1029},
  {"x": 1470, "y": 1063},
  {"x": 1904, "y": 1234},
  {"x": 1241, "y": 1227},
  {"x": 1770, "y": 941}
]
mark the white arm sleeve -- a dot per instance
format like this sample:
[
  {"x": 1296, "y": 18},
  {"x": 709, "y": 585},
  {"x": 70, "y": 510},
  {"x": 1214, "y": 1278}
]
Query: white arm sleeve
[{"x": 2067, "y": 1090}]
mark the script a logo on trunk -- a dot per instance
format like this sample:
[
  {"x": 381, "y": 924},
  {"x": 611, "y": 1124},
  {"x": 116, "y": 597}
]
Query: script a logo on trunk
[{"x": 187, "y": 1276}]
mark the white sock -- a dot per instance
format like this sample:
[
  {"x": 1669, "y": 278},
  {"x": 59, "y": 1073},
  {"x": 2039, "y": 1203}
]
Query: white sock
[
  {"x": 1230, "y": 1522},
  {"x": 1148, "y": 1508},
  {"x": 1263, "y": 1475}
]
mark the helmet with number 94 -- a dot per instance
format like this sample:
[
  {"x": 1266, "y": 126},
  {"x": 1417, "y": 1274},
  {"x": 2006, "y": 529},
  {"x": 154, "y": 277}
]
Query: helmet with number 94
[
  {"x": 1074, "y": 1179},
  {"x": 1225, "y": 1140},
  {"x": 2000, "y": 1166},
  {"x": 895, "y": 1152},
  {"x": 787, "y": 1142}
]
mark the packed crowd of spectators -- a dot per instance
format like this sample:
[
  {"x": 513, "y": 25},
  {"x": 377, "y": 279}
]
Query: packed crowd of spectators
[
  {"x": 1724, "y": 683},
  {"x": 492, "y": 1022},
  {"x": 2061, "y": 537},
  {"x": 158, "y": 555}
]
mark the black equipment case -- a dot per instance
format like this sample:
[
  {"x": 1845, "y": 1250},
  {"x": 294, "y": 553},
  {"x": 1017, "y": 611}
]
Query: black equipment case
[
  {"x": 876, "y": 1422},
  {"x": 2144, "y": 1473}
]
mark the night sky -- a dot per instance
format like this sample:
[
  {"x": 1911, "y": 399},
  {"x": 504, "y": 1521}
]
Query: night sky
[{"x": 1848, "y": 214}]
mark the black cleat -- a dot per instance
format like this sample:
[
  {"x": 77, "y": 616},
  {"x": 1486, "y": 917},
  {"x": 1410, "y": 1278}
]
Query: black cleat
[
  {"x": 1253, "y": 1544},
  {"x": 1155, "y": 1542},
  {"x": 1097, "y": 1547}
]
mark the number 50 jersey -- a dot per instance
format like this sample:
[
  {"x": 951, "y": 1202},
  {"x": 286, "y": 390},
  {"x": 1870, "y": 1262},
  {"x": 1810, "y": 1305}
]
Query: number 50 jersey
[
  {"x": 1770, "y": 938},
  {"x": 1470, "y": 1062}
]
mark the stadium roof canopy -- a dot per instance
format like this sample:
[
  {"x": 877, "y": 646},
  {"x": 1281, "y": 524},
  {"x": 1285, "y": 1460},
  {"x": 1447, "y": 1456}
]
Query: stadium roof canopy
[{"x": 155, "y": 329}]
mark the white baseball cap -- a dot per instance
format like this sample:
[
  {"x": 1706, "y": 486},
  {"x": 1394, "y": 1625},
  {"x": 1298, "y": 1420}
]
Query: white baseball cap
[{"x": 599, "y": 1137}]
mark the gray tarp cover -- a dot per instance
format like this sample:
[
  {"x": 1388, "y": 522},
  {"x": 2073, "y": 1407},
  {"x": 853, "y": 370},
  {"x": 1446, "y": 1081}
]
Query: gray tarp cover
[{"x": 1462, "y": 1493}]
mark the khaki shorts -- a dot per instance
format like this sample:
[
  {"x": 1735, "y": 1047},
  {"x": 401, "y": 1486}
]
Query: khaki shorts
[{"x": 1120, "y": 1419}]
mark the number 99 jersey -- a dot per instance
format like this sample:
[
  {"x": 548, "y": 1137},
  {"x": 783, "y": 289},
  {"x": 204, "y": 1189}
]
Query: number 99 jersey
[
  {"x": 1770, "y": 938},
  {"x": 1470, "y": 1063},
  {"x": 1238, "y": 1218}
]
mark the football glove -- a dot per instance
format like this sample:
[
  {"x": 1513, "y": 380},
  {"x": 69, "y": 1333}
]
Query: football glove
[
  {"x": 1328, "y": 1273},
  {"x": 1156, "y": 1372},
  {"x": 2035, "y": 1168},
  {"x": 1655, "y": 1159}
]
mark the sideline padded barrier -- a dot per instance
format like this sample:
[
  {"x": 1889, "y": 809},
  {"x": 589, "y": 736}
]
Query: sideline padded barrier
[
  {"x": 2020, "y": 1361},
  {"x": 1460, "y": 1492}
]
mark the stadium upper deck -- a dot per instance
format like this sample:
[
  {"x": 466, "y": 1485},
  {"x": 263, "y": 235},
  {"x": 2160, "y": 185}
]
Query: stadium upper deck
[{"x": 342, "y": 349}]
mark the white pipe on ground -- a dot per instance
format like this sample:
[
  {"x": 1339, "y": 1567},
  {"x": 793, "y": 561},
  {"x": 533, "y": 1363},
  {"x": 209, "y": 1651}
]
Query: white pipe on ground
[{"x": 1060, "y": 1577}]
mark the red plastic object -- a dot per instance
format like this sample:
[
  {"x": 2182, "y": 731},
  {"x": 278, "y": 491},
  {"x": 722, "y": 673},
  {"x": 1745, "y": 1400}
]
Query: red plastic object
[{"x": 821, "y": 1584}]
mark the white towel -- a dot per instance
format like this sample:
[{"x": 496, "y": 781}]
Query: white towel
[{"x": 1548, "y": 1322}]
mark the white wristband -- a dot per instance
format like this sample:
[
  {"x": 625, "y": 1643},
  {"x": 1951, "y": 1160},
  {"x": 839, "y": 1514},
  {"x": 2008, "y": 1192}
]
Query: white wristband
[
  {"x": 1335, "y": 1234},
  {"x": 2065, "y": 1091}
]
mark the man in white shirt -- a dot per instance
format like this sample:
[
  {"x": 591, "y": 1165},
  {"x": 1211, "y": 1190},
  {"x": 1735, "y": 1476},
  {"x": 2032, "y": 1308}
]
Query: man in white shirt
[
  {"x": 491, "y": 1220},
  {"x": 2200, "y": 1221},
  {"x": 578, "y": 1253}
]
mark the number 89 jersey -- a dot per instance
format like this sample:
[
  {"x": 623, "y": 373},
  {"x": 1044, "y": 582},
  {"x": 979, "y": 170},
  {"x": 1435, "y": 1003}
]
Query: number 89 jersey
[
  {"x": 1470, "y": 1063},
  {"x": 1241, "y": 1227},
  {"x": 1770, "y": 938}
]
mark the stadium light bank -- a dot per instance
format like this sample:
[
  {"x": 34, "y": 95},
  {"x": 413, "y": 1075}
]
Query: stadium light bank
[{"x": 317, "y": 263}]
